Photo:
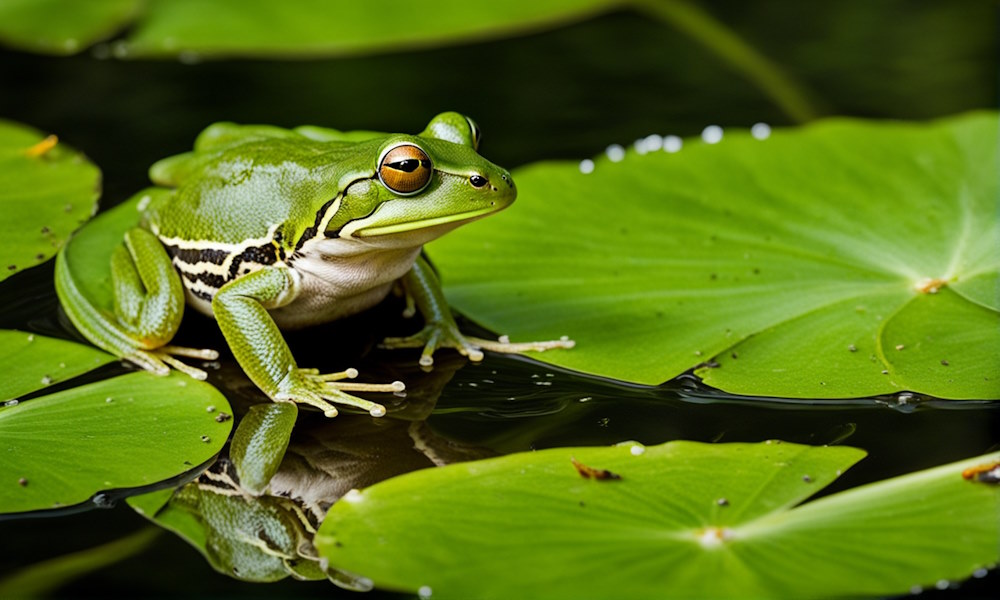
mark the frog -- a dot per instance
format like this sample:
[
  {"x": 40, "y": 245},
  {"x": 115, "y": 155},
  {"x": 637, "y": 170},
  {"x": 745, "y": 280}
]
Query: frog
[{"x": 266, "y": 229}]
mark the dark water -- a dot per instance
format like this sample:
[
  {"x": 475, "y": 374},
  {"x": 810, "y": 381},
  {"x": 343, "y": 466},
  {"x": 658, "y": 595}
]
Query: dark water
[{"x": 561, "y": 94}]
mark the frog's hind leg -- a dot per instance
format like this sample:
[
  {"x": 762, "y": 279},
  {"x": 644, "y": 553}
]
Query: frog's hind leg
[
  {"x": 148, "y": 306},
  {"x": 149, "y": 302}
]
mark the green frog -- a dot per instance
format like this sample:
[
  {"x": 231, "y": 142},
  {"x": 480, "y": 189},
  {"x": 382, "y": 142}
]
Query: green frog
[{"x": 265, "y": 228}]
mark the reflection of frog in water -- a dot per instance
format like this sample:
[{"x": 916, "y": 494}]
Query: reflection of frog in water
[{"x": 268, "y": 536}]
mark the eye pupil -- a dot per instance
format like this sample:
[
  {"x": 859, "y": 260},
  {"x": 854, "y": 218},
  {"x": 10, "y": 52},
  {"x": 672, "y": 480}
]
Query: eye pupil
[
  {"x": 478, "y": 181},
  {"x": 409, "y": 165}
]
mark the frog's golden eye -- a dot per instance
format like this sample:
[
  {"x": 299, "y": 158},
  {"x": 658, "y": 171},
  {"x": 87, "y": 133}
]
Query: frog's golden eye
[{"x": 405, "y": 169}]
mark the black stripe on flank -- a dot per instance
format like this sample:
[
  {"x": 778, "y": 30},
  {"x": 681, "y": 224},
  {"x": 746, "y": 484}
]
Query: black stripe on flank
[
  {"x": 210, "y": 279},
  {"x": 200, "y": 294},
  {"x": 193, "y": 255},
  {"x": 264, "y": 255}
]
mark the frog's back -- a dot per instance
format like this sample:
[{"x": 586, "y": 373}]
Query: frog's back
[{"x": 240, "y": 204}]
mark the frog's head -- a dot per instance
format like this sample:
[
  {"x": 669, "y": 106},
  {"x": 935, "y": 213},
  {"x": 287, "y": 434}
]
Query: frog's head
[{"x": 427, "y": 184}]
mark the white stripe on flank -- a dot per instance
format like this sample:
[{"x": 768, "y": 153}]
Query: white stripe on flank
[{"x": 210, "y": 245}]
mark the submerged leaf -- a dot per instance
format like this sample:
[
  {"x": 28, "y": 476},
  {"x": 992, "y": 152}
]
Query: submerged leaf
[
  {"x": 130, "y": 431},
  {"x": 46, "y": 191},
  {"x": 685, "y": 520},
  {"x": 796, "y": 264}
]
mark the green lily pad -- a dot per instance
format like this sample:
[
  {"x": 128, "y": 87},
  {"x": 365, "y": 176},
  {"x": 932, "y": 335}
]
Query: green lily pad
[
  {"x": 59, "y": 27},
  {"x": 32, "y": 362},
  {"x": 46, "y": 191},
  {"x": 795, "y": 265},
  {"x": 130, "y": 431},
  {"x": 265, "y": 28},
  {"x": 683, "y": 520}
]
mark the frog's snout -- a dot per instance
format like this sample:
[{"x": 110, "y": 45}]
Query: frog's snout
[{"x": 507, "y": 179}]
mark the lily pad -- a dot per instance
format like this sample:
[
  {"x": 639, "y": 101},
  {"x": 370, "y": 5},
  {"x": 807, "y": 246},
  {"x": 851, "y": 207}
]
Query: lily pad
[
  {"x": 31, "y": 362},
  {"x": 126, "y": 432},
  {"x": 679, "y": 520},
  {"x": 59, "y": 27},
  {"x": 265, "y": 28},
  {"x": 843, "y": 259},
  {"x": 46, "y": 191}
]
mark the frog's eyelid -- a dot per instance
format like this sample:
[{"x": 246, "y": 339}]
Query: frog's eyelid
[{"x": 477, "y": 134}]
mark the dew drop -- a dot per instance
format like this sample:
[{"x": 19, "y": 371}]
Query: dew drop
[
  {"x": 942, "y": 584},
  {"x": 711, "y": 134},
  {"x": 672, "y": 144},
  {"x": 760, "y": 131},
  {"x": 615, "y": 152},
  {"x": 425, "y": 591},
  {"x": 637, "y": 450},
  {"x": 653, "y": 142},
  {"x": 11, "y": 402},
  {"x": 980, "y": 573},
  {"x": 586, "y": 166}
]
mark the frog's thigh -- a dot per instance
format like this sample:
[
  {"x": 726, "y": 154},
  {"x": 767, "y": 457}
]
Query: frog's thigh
[
  {"x": 240, "y": 308},
  {"x": 149, "y": 299}
]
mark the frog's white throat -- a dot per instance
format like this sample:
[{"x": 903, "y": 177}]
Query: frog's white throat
[{"x": 341, "y": 276}]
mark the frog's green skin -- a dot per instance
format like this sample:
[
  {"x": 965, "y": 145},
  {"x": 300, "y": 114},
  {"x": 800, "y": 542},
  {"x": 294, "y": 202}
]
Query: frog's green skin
[{"x": 266, "y": 228}]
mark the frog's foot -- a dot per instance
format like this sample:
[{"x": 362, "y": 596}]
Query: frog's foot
[
  {"x": 445, "y": 335},
  {"x": 322, "y": 390},
  {"x": 160, "y": 360}
]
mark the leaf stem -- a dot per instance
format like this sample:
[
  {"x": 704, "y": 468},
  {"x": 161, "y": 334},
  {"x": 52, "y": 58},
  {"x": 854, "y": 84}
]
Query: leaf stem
[{"x": 791, "y": 97}]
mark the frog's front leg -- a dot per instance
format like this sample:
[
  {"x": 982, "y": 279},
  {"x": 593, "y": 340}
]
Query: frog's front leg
[
  {"x": 148, "y": 306},
  {"x": 240, "y": 308},
  {"x": 440, "y": 330}
]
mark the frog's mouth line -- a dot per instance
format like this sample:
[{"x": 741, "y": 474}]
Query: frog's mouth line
[{"x": 422, "y": 224}]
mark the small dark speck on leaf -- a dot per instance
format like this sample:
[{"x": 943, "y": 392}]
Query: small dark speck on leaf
[
  {"x": 188, "y": 463},
  {"x": 945, "y": 362},
  {"x": 222, "y": 417},
  {"x": 722, "y": 502},
  {"x": 807, "y": 479},
  {"x": 582, "y": 503},
  {"x": 713, "y": 276},
  {"x": 22, "y": 482},
  {"x": 45, "y": 230},
  {"x": 885, "y": 372},
  {"x": 734, "y": 355},
  {"x": 11, "y": 267},
  {"x": 756, "y": 271},
  {"x": 206, "y": 439},
  {"x": 591, "y": 473}
]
